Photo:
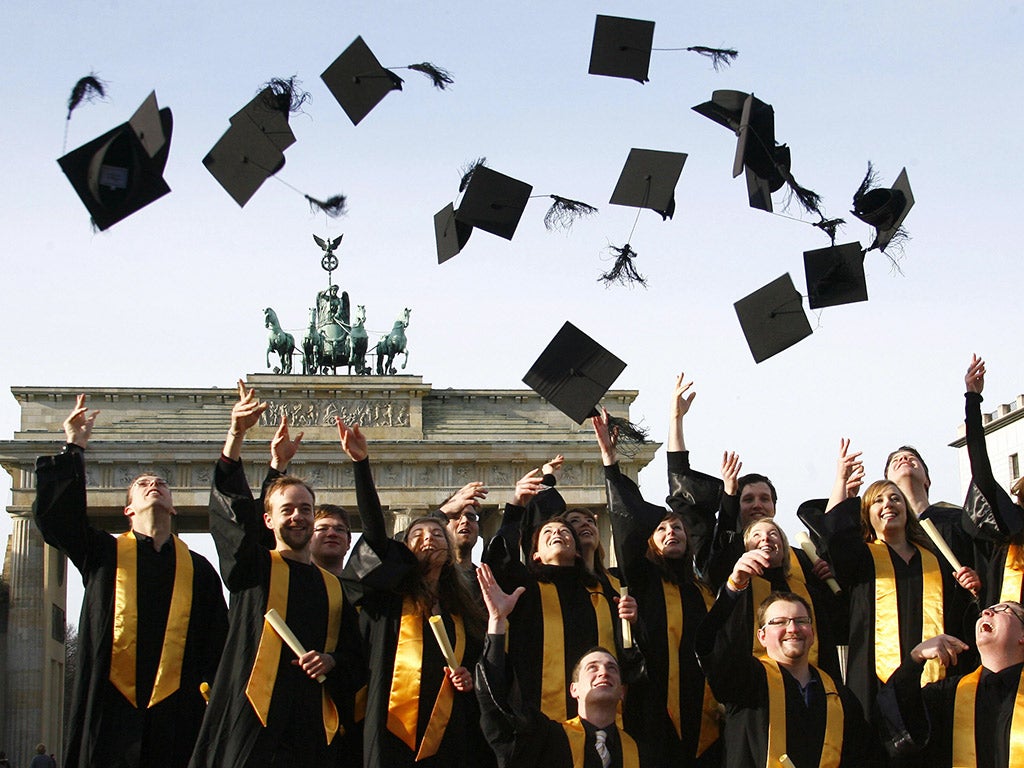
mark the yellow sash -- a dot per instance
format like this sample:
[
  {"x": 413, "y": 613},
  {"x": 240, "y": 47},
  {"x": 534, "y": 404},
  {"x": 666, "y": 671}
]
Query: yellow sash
[
  {"x": 761, "y": 588},
  {"x": 1013, "y": 571},
  {"x": 709, "y": 721},
  {"x": 126, "y": 622},
  {"x": 552, "y": 679},
  {"x": 404, "y": 698},
  {"x": 577, "y": 738},
  {"x": 964, "y": 744},
  {"x": 260, "y": 687},
  {"x": 831, "y": 747},
  {"x": 887, "y": 634}
]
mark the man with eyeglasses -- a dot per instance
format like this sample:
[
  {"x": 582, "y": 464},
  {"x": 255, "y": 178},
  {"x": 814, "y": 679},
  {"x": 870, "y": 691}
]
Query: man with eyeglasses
[
  {"x": 974, "y": 720},
  {"x": 461, "y": 511},
  {"x": 332, "y": 535},
  {"x": 153, "y": 619},
  {"x": 782, "y": 704}
]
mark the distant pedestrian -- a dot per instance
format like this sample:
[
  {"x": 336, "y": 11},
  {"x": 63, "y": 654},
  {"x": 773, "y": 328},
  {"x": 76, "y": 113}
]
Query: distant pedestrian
[{"x": 42, "y": 760}]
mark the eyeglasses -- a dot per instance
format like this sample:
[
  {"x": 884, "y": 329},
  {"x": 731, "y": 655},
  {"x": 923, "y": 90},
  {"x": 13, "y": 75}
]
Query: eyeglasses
[
  {"x": 1004, "y": 608},
  {"x": 784, "y": 621},
  {"x": 151, "y": 482},
  {"x": 328, "y": 528},
  {"x": 473, "y": 517}
]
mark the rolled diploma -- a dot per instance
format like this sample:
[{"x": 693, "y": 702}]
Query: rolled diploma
[
  {"x": 786, "y": 762},
  {"x": 284, "y": 632},
  {"x": 437, "y": 625},
  {"x": 627, "y": 631},
  {"x": 808, "y": 547},
  {"x": 940, "y": 543}
]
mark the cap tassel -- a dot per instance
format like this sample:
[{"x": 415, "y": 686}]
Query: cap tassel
[
  {"x": 441, "y": 77},
  {"x": 333, "y": 206},
  {"x": 623, "y": 271},
  {"x": 467, "y": 172},
  {"x": 720, "y": 57},
  {"x": 285, "y": 95},
  {"x": 88, "y": 88},
  {"x": 867, "y": 211},
  {"x": 830, "y": 227},
  {"x": 627, "y": 435},
  {"x": 564, "y": 212}
]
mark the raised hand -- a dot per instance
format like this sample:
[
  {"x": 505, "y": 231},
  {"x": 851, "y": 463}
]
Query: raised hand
[
  {"x": 79, "y": 423},
  {"x": 975, "y": 378},
  {"x": 680, "y": 400},
  {"x": 246, "y": 413},
  {"x": 499, "y": 603},
  {"x": 352, "y": 440},
  {"x": 527, "y": 486},
  {"x": 628, "y": 610},
  {"x": 605, "y": 439},
  {"x": 554, "y": 467},
  {"x": 282, "y": 448},
  {"x": 731, "y": 466},
  {"x": 752, "y": 563},
  {"x": 470, "y": 493},
  {"x": 945, "y": 648}
]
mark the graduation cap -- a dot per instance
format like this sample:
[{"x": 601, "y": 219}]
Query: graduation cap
[
  {"x": 835, "y": 275},
  {"x": 450, "y": 234},
  {"x": 252, "y": 149},
  {"x": 493, "y": 202},
  {"x": 359, "y": 82},
  {"x": 122, "y": 171},
  {"x": 884, "y": 209},
  {"x": 648, "y": 180},
  {"x": 772, "y": 318},
  {"x": 573, "y": 373},
  {"x": 622, "y": 48}
]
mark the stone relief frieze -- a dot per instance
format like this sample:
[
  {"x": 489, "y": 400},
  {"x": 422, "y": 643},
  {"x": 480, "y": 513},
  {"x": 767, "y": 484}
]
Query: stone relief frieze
[{"x": 321, "y": 413}]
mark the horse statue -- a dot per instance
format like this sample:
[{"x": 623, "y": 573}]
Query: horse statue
[
  {"x": 278, "y": 341},
  {"x": 357, "y": 342},
  {"x": 311, "y": 346},
  {"x": 392, "y": 345}
]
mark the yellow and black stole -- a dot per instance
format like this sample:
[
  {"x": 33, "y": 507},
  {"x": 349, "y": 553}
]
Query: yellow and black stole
[
  {"x": 887, "y": 642},
  {"x": 1013, "y": 575},
  {"x": 761, "y": 588},
  {"x": 553, "y": 683},
  {"x": 126, "y": 622},
  {"x": 964, "y": 745},
  {"x": 577, "y": 737},
  {"x": 831, "y": 746},
  {"x": 404, "y": 697},
  {"x": 709, "y": 721},
  {"x": 260, "y": 687}
]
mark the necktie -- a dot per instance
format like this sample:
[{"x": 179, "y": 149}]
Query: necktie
[{"x": 600, "y": 737}]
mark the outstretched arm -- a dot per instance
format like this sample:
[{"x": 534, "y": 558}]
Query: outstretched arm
[
  {"x": 79, "y": 423},
  {"x": 849, "y": 475},
  {"x": 680, "y": 407},
  {"x": 605, "y": 438},
  {"x": 282, "y": 447},
  {"x": 245, "y": 414}
]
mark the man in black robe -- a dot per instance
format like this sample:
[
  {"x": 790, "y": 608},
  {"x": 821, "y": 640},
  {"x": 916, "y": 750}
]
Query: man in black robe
[
  {"x": 522, "y": 736},
  {"x": 925, "y": 721},
  {"x": 811, "y": 721},
  {"x": 267, "y": 707},
  {"x": 166, "y": 621}
]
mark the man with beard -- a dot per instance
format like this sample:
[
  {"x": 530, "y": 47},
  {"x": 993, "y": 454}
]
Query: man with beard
[
  {"x": 153, "y": 620},
  {"x": 781, "y": 704},
  {"x": 461, "y": 513},
  {"x": 267, "y": 707},
  {"x": 976, "y": 719}
]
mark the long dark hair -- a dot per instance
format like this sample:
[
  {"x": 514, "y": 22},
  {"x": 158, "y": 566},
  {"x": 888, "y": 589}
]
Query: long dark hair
[
  {"x": 544, "y": 572},
  {"x": 676, "y": 570}
]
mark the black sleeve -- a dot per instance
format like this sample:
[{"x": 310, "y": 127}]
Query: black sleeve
[
  {"x": 727, "y": 546},
  {"x": 633, "y": 519},
  {"x": 903, "y": 721},
  {"x": 696, "y": 497},
  {"x": 723, "y": 648},
  {"x": 60, "y": 505},
  {"x": 989, "y": 512},
  {"x": 502, "y": 551},
  {"x": 236, "y": 526}
]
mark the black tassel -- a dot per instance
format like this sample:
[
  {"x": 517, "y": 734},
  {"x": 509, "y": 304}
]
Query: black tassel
[
  {"x": 564, "y": 212},
  {"x": 830, "y": 227},
  {"x": 629, "y": 437},
  {"x": 467, "y": 172},
  {"x": 285, "y": 95},
  {"x": 623, "y": 271},
  {"x": 720, "y": 57},
  {"x": 809, "y": 199},
  {"x": 89, "y": 88},
  {"x": 441, "y": 77},
  {"x": 332, "y": 206},
  {"x": 869, "y": 183}
]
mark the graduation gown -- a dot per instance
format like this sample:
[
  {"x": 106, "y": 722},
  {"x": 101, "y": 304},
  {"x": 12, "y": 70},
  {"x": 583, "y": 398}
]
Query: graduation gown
[
  {"x": 104, "y": 728},
  {"x": 739, "y": 681},
  {"x": 855, "y": 571},
  {"x": 373, "y": 575},
  {"x": 521, "y": 736},
  {"x": 232, "y": 734},
  {"x": 923, "y": 722},
  {"x": 664, "y": 599}
]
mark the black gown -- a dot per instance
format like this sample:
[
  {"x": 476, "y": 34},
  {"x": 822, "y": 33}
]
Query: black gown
[
  {"x": 375, "y": 570},
  {"x": 232, "y": 735},
  {"x": 739, "y": 681},
  {"x": 646, "y": 710},
  {"x": 103, "y": 727}
]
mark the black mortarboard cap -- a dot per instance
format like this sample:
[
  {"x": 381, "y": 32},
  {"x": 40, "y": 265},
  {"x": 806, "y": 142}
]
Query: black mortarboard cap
[
  {"x": 450, "y": 233},
  {"x": 835, "y": 275},
  {"x": 122, "y": 171},
  {"x": 725, "y": 108},
  {"x": 493, "y": 202},
  {"x": 773, "y": 318},
  {"x": 885, "y": 209},
  {"x": 243, "y": 158},
  {"x": 648, "y": 180},
  {"x": 621, "y": 47},
  {"x": 358, "y": 81},
  {"x": 264, "y": 113},
  {"x": 573, "y": 373}
]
